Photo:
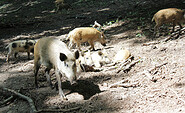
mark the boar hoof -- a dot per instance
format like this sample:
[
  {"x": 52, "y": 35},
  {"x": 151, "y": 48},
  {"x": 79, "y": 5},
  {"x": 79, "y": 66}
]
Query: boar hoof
[
  {"x": 63, "y": 98},
  {"x": 74, "y": 83}
]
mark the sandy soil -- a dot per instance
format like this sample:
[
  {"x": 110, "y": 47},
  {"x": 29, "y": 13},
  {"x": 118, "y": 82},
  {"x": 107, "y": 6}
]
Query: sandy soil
[{"x": 160, "y": 91}]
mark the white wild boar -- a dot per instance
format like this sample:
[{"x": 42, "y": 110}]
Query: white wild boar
[
  {"x": 121, "y": 55},
  {"x": 20, "y": 46},
  {"x": 95, "y": 59},
  {"x": 170, "y": 15},
  {"x": 54, "y": 53},
  {"x": 86, "y": 34}
]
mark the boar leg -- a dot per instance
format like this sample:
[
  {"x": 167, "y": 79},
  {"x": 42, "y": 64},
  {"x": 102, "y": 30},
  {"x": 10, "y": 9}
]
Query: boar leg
[
  {"x": 15, "y": 54},
  {"x": 36, "y": 69},
  {"x": 179, "y": 29},
  {"x": 61, "y": 93},
  {"x": 71, "y": 44},
  {"x": 92, "y": 45},
  {"x": 173, "y": 26},
  {"x": 28, "y": 55},
  {"x": 48, "y": 77},
  {"x": 8, "y": 56},
  {"x": 78, "y": 45}
]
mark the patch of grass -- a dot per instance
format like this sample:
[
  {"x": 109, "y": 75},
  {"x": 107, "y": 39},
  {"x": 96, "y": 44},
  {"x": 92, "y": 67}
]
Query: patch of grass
[{"x": 140, "y": 35}]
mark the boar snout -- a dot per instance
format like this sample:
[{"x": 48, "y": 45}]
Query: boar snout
[{"x": 104, "y": 44}]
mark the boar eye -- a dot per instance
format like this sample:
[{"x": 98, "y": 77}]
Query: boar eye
[
  {"x": 65, "y": 64},
  {"x": 74, "y": 65}
]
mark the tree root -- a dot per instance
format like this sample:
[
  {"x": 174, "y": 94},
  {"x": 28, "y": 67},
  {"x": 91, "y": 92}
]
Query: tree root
[{"x": 13, "y": 93}]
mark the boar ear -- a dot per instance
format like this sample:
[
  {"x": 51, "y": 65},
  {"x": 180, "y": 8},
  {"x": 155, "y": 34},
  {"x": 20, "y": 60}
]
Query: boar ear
[
  {"x": 77, "y": 54},
  {"x": 63, "y": 57},
  {"x": 100, "y": 53}
]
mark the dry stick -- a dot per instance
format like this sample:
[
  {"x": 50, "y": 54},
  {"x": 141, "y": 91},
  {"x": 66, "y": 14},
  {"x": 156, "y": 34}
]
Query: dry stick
[
  {"x": 177, "y": 95},
  {"x": 117, "y": 84},
  {"x": 14, "y": 93},
  {"x": 158, "y": 66},
  {"x": 6, "y": 101},
  {"x": 151, "y": 43},
  {"x": 148, "y": 72},
  {"x": 59, "y": 110},
  {"x": 173, "y": 34},
  {"x": 12, "y": 11},
  {"x": 121, "y": 84},
  {"x": 129, "y": 85},
  {"x": 149, "y": 75},
  {"x": 125, "y": 62},
  {"x": 127, "y": 67}
]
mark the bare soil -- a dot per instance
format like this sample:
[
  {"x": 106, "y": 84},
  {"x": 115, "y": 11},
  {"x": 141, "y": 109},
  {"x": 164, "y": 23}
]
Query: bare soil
[{"x": 125, "y": 28}]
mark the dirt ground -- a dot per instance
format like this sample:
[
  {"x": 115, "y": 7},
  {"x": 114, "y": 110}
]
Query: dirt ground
[{"x": 153, "y": 85}]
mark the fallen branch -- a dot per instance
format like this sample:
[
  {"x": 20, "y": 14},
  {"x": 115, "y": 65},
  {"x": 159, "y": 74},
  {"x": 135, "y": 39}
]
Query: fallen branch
[
  {"x": 6, "y": 101},
  {"x": 14, "y": 93},
  {"x": 125, "y": 85},
  {"x": 148, "y": 72},
  {"x": 173, "y": 34},
  {"x": 117, "y": 84},
  {"x": 158, "y": 66},
  {"x": 118, "y": 64},
  {"x": 151, "y": 43},
  {"x": 8, "y": 12},
  {"x": 58, "y": 110},
  {"x": 128, "y": 67}
]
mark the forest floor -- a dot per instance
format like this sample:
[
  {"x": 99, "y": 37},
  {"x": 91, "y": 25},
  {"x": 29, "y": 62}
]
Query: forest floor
[{"x": 153, "y": 85}]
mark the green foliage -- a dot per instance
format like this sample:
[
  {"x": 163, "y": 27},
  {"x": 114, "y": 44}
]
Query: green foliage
[{"x": 139, "y": 35}]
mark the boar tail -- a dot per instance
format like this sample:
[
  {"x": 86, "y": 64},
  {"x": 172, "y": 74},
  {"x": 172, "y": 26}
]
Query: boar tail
[
  {"x": 68, "y": 37},
  {"x": 153, "y": 18},
  {"x": 7, "y": 46}
]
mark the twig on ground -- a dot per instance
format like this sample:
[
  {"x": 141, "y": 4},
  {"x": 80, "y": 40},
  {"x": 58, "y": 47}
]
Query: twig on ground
[
  {"x": 8, "y": 12},
  {"x": 158, "y": 66},
  {"x": 58, "y": 110},
  {"x": 177, "y": 95},
  {"x": 6, "y": 101},
  {"x": 30, "y": 62},
  {"x": 173, "y": 34},
  {"x": 127, "y": 85},
  {"x": 128, "y": 67},
  {"x": 151, "y": 43},
  {"x": 117, "y": 84},
  {"x": 149, "y": 75},
  {"x": 148, "y": 72},
  {"x": 118, "y": 64}
]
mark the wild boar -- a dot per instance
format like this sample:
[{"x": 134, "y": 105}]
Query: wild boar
[
  {"x": 20, "y": 46},
  {"x": 54, "y": 53},
  {"x": 121, "y": 55},
  {"x": 95, "y": 59},
  {"x": 61, "y": 5},
  {"x": 86, "y": 34},
  {"x": 170, "y": 15},
  {"x": 98, "y": 26}
]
